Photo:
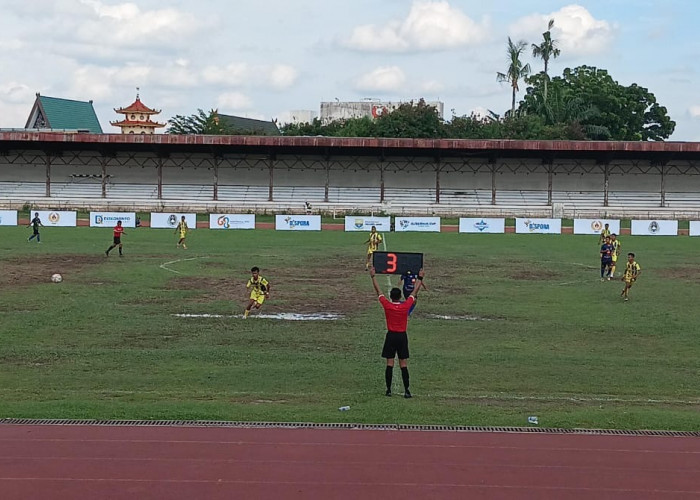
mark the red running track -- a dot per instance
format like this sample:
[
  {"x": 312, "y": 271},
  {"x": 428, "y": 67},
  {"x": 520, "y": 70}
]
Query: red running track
[{"x": 97, "y": 462}]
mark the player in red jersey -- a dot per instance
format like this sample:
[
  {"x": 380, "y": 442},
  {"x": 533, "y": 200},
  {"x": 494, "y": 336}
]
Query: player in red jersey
[
  {"x": 118, "y": 231},
  {"x": 396, "y": 341}
]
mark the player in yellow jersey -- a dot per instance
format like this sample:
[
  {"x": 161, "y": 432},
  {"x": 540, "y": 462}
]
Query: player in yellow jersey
[
  {"x": 375, "y": 239},
  {"x": 259, "y": 290},
  {"x": 182, "y": 229},
  {"x": 615, "y": 254},
  {"x": 604, "y": 233},
  {"x": 632, "y": 272}
]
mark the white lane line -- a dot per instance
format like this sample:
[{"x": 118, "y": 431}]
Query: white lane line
[{"x": 165, "y": 265}]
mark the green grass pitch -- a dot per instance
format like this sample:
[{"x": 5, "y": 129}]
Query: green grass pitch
[{"x": 513, "y": 326}]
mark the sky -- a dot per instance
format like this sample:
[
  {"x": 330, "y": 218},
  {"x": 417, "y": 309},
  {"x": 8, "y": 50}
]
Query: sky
[{"x": 266, "y": 59}]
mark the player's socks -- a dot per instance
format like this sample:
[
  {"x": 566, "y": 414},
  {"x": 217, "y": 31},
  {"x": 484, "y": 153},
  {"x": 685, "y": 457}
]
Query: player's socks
[
  {"x": 388, "y": 375},
  {"x": 246, "y": 313},
  {"x": 404, "y": 377}
]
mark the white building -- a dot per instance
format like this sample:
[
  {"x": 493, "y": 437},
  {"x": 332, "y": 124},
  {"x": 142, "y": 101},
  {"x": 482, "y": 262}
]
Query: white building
[{"x": 338, "y": 110}]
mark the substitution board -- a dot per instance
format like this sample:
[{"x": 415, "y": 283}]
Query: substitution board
[{"x": 397, "y": 262}]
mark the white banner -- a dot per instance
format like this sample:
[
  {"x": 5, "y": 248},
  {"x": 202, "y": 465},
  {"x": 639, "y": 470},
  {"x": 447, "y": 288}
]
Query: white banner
[
  {"x": 424, "y": 224},
  {"x": 171, "y": 220},
  {"x": 481, "y": 225},
  {"x": 298, "y": 222},
  {"x": 231, "y": 221},
  {"x": 110, "y": 219},
  {"x": 655, "y": 227},
  {"x": 595, "y": 226},
  {"x": 8, "y": 217},
  {"x": 529, "y": 225},
  {"x": 361, "y": 223},
  {"x": 694, "y": 228},
  {"x": 56, "y": 218}
]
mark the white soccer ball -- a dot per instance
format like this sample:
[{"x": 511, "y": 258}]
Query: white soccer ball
[{"x": 56, "y": 278}]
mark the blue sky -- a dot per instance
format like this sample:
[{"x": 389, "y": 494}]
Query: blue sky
[{"x": 264, "y": 59}]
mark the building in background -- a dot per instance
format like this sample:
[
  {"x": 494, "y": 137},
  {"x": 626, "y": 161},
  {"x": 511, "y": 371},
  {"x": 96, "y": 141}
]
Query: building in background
[
  {"x": 137, "y": 118},
  {"x": 296, "y": 117},
  {"x": 371, "y": 108},
  {"x": 53, "y": 113},
  {"x": 250, "y": 126}
]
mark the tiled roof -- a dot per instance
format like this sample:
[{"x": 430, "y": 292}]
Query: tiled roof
[
  {"x": 56, "y": 113},
  {"x": 137, "y": 107},
  {"x": 130, "y": 123},
  {"x": 249, "y": 125}
]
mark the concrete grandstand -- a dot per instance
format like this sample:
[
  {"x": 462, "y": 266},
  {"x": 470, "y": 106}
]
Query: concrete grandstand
[{"x": 349, "y": 175}]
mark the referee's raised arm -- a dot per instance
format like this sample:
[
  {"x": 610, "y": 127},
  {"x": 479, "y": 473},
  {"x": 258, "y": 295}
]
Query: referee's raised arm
[{"x": 372, "y": 274}]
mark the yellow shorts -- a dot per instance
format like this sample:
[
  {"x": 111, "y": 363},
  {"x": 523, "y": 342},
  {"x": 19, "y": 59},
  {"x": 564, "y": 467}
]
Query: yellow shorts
[
  {"x": 629, "y": 281},
  {"x": 614, "y": 259},
  {"x": 182, "y": 235},
  {"x": 257, "y": 297}
]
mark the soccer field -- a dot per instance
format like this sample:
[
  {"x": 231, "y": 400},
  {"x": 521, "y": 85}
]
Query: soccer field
[{"x": 512, "y": 326}]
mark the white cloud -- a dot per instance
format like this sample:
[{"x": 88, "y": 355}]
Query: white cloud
[
  {"x": 383, "y": 79},
  {"x": 278, "y": 76},
  {"x": 233, "y": 101},
  {"x": 429, "y": 25},
  {"x": 575, "y": 29},
  {"x": 431, "y": 86},
  {"x": 694, "y": 111}
]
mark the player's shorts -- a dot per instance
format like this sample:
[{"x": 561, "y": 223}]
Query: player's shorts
[
  {"x": 629, "y": 281},
  {"x": 614, "y": 259},
  {"x": 606, "y": 262},
  {"x": 182, "y": 235},
  {"x": 117, "y": 240},
  {"x": 257, "y": 297},
  {"x": 395, "y": 343},
  {"x": 370, "y": 251},
  {"x": 407, "y": 293}
]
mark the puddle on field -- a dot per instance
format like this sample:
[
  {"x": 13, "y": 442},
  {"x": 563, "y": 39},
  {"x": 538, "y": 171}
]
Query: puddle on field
[
  {"x": 282, "y": 316},
  {"x": 465, "y": 317}
]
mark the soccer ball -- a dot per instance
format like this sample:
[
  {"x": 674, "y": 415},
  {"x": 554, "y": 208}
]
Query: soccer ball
[{"x": 56, "y": 278}]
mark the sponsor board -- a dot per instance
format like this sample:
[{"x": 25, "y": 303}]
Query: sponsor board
[
  {"x": 110, "y": 219},
  {"x": 694, "y": 229},
  {"x": 481, "y": 225},
  {"x": 231, "y": 221},
  {"x": 56, "y": 218},
  {"x": 423, "y": 224},
  {"x": 529, "y": 225},
  {"x": 595, "y": 226},
  {"x": 170, "y": 220},
  {"x": 360, "y": 223},
  {"x": 654, "y": 227},
  {"x": 298, "y": 222},
  {"x": 8, "y": 217}
]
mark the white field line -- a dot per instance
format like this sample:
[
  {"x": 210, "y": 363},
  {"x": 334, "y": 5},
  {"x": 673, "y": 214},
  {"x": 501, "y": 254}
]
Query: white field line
[
  {"x": 165, "y": 265},
  {"x": 283, "y": 316}
]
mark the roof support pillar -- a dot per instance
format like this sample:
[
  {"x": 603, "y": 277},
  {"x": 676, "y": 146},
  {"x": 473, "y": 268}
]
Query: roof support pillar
[
  {"x": 381, "y": 181},
  {"x": 493, "y": 183},
  {"x": 215, "y": 187},
  {"x": 438, "y": 167},
  {"x": 103, "y": 164},
  {"x": 606, "y": 184},
  {"x": 48, "y": 174},
  {"x": 271, "y": 168},
  {"x": 550, "y": 176},
  {"x": 662, "y": 167}
]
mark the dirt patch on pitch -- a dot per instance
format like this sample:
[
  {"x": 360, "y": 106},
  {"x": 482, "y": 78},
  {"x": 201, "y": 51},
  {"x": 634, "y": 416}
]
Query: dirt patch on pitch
[
  {"x": 681, "y": 273},
  {"x": 328, "y": 290},
  {"x": 38, "y": 269},
  {"x": 533, "y": 275}
]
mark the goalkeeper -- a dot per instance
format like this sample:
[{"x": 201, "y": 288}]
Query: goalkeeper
[{"x": 259, "y": 290}]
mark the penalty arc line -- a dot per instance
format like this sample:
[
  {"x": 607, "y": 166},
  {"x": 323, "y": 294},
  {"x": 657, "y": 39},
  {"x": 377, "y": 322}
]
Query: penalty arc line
[{"x": 165, "y": 265}]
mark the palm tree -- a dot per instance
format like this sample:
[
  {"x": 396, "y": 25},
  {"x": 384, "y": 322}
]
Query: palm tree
[
  {"x": 546, "y": 50},
  {"x": 516, "y": 71}
]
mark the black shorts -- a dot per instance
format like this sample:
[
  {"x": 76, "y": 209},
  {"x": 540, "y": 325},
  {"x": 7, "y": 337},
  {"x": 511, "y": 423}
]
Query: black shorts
[
  {"x": 395, "y": 343},
  {"x": 117, "y": 240},
  {"x": 406, "y": 293}
]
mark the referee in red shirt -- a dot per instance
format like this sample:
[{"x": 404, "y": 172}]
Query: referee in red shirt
[{"x": 396, "y": 341}]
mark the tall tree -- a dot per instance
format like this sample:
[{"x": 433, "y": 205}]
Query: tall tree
[
  {"x": 516, "y": 70},
  {"x": 546, "y": 50}
]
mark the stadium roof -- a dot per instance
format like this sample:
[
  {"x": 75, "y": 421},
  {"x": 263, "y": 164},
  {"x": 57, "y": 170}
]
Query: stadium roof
[
  {"x": 63, "y": 114},
  {"x": 601, "y": 151}
]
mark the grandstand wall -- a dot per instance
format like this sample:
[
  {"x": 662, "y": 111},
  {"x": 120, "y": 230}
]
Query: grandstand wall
[{"x": 280, "y": 174}]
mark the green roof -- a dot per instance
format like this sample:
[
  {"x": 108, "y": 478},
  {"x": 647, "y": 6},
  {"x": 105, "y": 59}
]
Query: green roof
[
  {"x": 250, "y": 126},
  {"x": 64, "y": 114}
]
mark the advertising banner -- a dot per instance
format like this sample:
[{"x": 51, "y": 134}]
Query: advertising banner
[
  {"x": 655, "y": 227},
  {"x": 56, "y": 218},
  {"x": 694, "y": 228},
  {"x": 529, "y": 225},
  {"x": 298, "y": 222},
  {"x": 109, "y": 219},
  {"x": 594, "y": 226},
  {"x": 361, "y": 223},
  {"x": 8, "y": 217},
  {"x": 481, "y": 225},
  {"x": 170, "y": 220},
  {"x": 423, "y": 224},
  {"x": 231, "y": 221}
]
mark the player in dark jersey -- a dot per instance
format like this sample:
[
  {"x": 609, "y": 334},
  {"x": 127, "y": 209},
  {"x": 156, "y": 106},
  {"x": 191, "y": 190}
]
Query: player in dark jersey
[
  {"x": 407, "y": 282},
  {"x": 118, "y": 231},
  {"x": 606, "y": 253},
  {"x": 34, "y": 224}
]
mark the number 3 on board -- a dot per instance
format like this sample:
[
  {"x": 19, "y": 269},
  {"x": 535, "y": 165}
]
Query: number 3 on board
[{"x": 390, "y": 262}]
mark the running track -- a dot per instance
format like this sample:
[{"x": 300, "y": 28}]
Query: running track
[{"x": 186, "y": 462}]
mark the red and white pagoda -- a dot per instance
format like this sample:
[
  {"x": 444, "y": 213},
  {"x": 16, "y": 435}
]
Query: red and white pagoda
[{"x": 137, "y": 118}]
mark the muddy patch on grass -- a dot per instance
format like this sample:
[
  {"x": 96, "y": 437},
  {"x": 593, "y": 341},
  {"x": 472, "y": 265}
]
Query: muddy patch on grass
[
  {"x": 680, "y": 273},
  {"x": 533, "y": 275},
  {"x": 38, "y": 269}
]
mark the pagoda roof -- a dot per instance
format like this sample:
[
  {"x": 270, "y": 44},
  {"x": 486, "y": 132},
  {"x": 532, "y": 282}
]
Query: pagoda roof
[
  {"x": 138, "y": 107},
  {"x": 134, "y": 123}
]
